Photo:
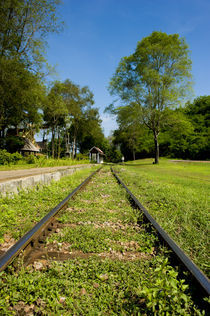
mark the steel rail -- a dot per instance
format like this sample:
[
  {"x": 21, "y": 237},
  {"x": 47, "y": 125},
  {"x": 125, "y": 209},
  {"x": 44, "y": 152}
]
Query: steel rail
[
  {"x": 198, "y": 275},
  {"x": 23, "y": 242}
]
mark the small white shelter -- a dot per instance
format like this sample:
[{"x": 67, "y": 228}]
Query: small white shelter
[{"x": 96, "y": 154}]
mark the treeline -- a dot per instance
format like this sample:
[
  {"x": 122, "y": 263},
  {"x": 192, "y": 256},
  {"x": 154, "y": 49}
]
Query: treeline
[
  {"x": 64, "y": 111},
  {"x": 186, "y": 134}
]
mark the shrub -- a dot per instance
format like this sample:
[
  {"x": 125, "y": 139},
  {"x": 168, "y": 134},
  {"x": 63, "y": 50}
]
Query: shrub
[
  {"x": 30, "y": 159},
  {"x": 7, "y": 158},
  {"x": 4, "y": 157},
  {"x": 16, "y": 157},
  {"x": 82, "y": 157}
]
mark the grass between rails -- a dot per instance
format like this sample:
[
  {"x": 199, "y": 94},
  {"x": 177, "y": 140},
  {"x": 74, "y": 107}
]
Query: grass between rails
[
  {"x": 19, "y": 213},
  {"x": 176, "y": 194},
  {"x": 102, "y": 224}
]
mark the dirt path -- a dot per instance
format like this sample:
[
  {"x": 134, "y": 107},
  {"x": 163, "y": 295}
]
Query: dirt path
[
  {"x": 202, "y": 161},
  {"x": 23, "y": 173}
]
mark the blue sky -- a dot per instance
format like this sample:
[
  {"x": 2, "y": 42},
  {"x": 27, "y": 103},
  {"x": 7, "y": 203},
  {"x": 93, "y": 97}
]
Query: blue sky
[{"x": 98, "y": 33}]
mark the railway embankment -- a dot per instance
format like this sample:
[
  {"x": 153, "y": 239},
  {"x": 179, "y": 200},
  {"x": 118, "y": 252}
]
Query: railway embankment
[{"x": 11, "y": 182}]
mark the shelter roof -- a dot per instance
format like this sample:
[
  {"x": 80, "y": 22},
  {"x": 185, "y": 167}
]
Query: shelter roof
[
  {"x": 94, "y": 149},
  {"x": 29, "y": 146}
]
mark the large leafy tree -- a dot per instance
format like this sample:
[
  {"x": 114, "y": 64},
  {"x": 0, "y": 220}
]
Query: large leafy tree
[
  {"x": 90, "y": 132},
  {"x": 155, "y": 77},
  {"x": 78, "y": 100},
  {"x": 131, "y": 135},
  {"x": 69, "y": 114},
  {"x": 55, "y": 111},
  {"x": 24, "y": 25},
  {"x": 198, "y": 112}
]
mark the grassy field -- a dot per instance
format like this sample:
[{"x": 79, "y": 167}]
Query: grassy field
[
  {"x": 19, "y": 213},
  {"x": 42, "y": 162},
  {"x": 116, "y": 266},
  {"x": 177, "y": 195}
]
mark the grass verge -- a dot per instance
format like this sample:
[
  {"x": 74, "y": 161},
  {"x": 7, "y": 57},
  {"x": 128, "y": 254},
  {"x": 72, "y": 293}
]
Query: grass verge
[
  {"x": 19, "y": 213},
  {"x": 176, "y": 194}
]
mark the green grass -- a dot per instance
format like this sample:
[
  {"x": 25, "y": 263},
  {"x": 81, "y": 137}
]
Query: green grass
[
  {"x": 100, "y": 224},
  {"x": 19, "y": 213},
  {"x": 176, "y": 194},
  {"x": 43, "y": 162},
  {"x": 96, "y": 287}
]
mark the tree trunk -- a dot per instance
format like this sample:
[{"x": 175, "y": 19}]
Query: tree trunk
[
  {"x": 59, "y": 145},
  {"x": 134, "y": 155},
  {"x": 53, "y": 143},
  {"x": 74, "y": 147},
  {"x": 156, "y": 148}
]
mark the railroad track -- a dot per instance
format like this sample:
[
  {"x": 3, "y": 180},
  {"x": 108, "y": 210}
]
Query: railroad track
[{"x": 88, "y": 230}]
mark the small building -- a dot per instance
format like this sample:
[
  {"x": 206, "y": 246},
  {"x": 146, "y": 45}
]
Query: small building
[
  {"x": 96, "y": 154},
  {"x": 29, "y": 147}
]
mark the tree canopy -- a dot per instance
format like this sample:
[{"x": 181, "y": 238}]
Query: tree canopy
[{"x": 154, "y": 78}]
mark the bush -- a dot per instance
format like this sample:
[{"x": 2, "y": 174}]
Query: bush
[
  {"x": 4, "y": 157},
  {"x": 13, "y": 143},
  {"x": 16, "y": 157},
  {"x": 81, "y": 157},
  {"x": 7, "y": 158},
  {"x": 30, "y": 159}
]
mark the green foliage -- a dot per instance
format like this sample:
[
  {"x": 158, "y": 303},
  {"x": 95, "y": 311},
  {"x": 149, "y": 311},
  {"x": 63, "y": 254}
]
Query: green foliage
[
  {"x": 153, "y": 79},
  {"x": 199, "y": 115},
  {"x": 82, "y": 157},
  {"x": 40, "y": 161},
  {"x": 13, "y": 143},
  {"x": 187, "y": 134},
  {"x": 113, "y": 154},
  {"x": 176, "y": 195},
  {"x": 7, "y": 158},
  {"x": 30, "y": 159},
  {"x": 24, "y": 26},
  {"x": 166, "y": 295},
  {"x": 21, "y": 95},
  {"x": 90, "y": 132},
  {"x": 72, "y": 120}
]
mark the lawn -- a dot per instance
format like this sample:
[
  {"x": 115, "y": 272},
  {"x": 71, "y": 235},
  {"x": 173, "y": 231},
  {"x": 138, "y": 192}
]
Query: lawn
[{"x": 176, "y": 194}]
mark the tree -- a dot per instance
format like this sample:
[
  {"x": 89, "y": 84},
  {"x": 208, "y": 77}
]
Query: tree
[
  {"x": 68, "y": 111},
  {"x": 198, "y": 112},
  {"x": 24, "y": 25},
  {"x": 55, "y": 111},
  {"x": 21, "y": 96},
  {"x": 156, "y": 77},
  {"x": 90, "y": 132},
  {"x": 131, "y": 134},
  {"x": 175, "y": 139},
  {"x": 77, "y": 100}
]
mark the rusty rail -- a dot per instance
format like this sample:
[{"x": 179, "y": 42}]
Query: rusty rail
[
  {"x": 200, "y": 278},
  {"x": 39, "y": 228}
]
